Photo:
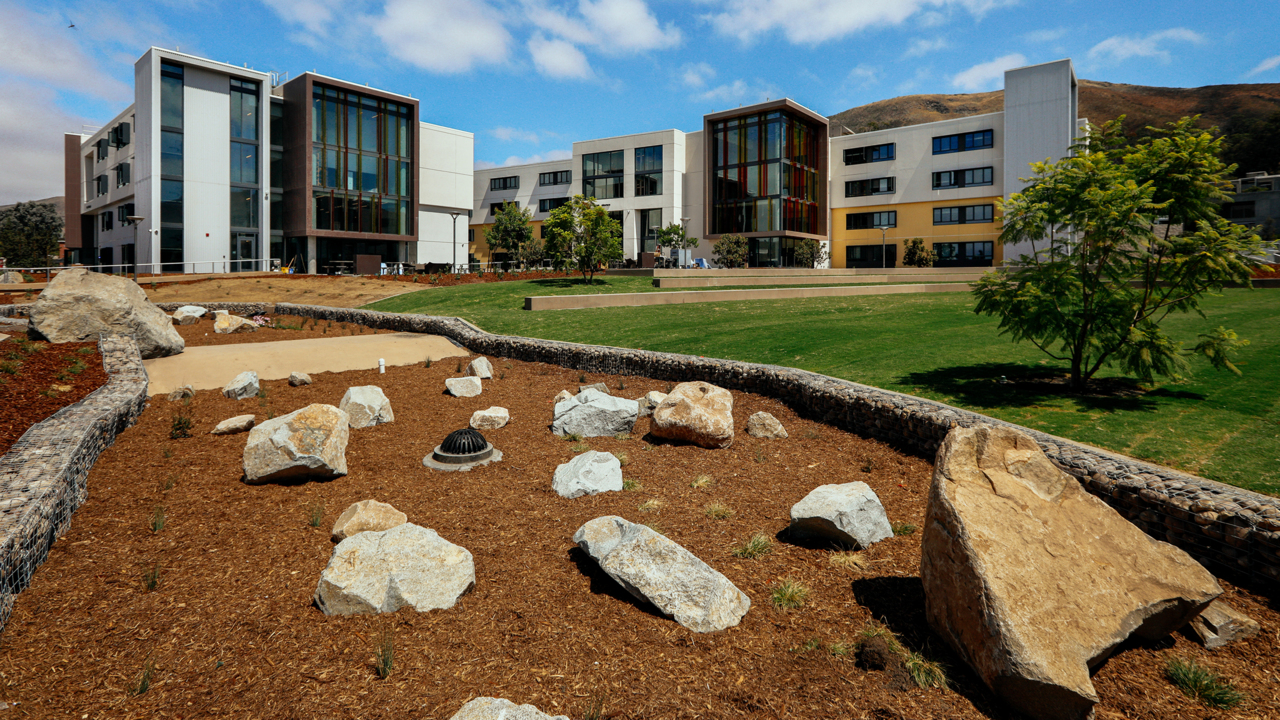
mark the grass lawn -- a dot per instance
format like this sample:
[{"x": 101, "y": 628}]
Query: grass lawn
[{"x": 1213, "y": 423}]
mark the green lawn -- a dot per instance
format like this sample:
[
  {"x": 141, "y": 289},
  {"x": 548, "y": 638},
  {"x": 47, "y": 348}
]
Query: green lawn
[{"x": 1214, "y": 424}]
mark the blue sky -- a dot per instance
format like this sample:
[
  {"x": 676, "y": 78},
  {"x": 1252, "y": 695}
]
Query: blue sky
[{"x": 529, "y": 77}]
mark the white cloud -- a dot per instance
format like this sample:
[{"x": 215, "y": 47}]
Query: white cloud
[
  {"x": 313, "y": 15},
  {"x": 920, "y": 46},
  {"x": 558, "y": 58},
  {"x": 515, "y": 160},
  {"x": 697, "y": 75},
  {"x": 1044, "y": 36},
  {"x": 809, "y": 21},
  {"x": 31, "y": 130},
  {"x": 738, "y": 91},
  {"x": 984, "y": 76},
  {"x": 613, "y": 27},
  {"x": 1270, "y": 63},
  {"x": 864, "y": 75},
  {"x": 443, "y": 36},
  {"x": 932, "y": 18},
  {"x": 507, "y": 134},
  {"x": 1123, "y": 47},
  {"x": 39, "y": 47}
]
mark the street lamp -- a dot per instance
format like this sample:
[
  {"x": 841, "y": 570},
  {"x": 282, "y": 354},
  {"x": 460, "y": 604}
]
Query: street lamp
[
  {"x": 134, "y": 220},
  {"x": 453, "y": 240},
  {"x": 686, "y": 240},
  {"x": 884, "y": 260}
]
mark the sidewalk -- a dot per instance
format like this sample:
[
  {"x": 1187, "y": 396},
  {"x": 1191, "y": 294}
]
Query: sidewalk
[{"x": 211, "y": 368}]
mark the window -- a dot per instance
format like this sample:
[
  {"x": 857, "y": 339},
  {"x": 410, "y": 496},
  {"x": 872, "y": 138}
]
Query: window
[
  {"x": 602, "y": 175},
  {"x": 649, "y": 171},
  {"x": 1239, "y": 210},
  {"x": 244, "y": 109},
  {"x": 979, "y": 140},
  {"x": 505, "y": 183},
  {"x": 244, "y": 163},
  {"x": 977, "y": 176},
  {"x": 869, "y": 154},
  {"x": 122, "y": 174},
  {"x": 171, "y": 201},
  {"x": 171, "y": 153},
  {"x": 876, "y": 186},
  {"x": 979, "y": 213},
  {"x": 495, "y": 207},
  {"x": 962, "y": 178},
  {"x": 277, "y": 123},
  {"x": 171, "y": 248},
  {"x": 963, "y": 215},
  {"x": 101, "y": 182},
  {"x": 102, "y": 146},
  {"x": 871, "y": 220},
  {"x": 560, "y": 177},
  {"x": 547, "y": 205},
  {"x": 602, "y": 188},
  {"x": 104, "y": 220},
  {"x": 171, "y": 96},
  {"x": 119, "y": 135},
  {"x": 650, "y": 224},
  {"x": 244, "y": 207},
  {"x": 946, "y": 216},
  {"x": 964, "y": 254}
]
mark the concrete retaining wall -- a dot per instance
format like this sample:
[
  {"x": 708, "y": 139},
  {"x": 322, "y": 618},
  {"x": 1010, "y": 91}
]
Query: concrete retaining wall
[
  {"x": 806, "y": 272},
  {"x": 579, "y": 302},
  {"x": 696, "y": 282}
]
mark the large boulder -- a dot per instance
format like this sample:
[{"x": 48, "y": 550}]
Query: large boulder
[
  {"x": 381, "y": 572},
  {"x": 847, "y": 514},
  {"x": 366, "y": 516},
  {"x": 764, "y": 425},
  {"x": 225, "y": 323},
  {"x": 78, "y": 305},
  {"x": 463, "y": 386},
  {"x": 592, "y": 413},
  {"x": 366, "y": 406},
  {"x": 481, "y": 368},
  {"x": 11, "y": 277},
  {"x": 242, "y": 386},
  {"x": 489, "y": 708},
  {"x": 655, "y": 569},
  {"x": 311, "y": 442},
  {"x": 696, "y": 412},
  {"x": 232, "y": 426},
  {"x": 188, "y": 314},
  {"x": 1034, "y": 581},
  {"x": 492, "y": 418},
  {"x": 590, "y": 473}
]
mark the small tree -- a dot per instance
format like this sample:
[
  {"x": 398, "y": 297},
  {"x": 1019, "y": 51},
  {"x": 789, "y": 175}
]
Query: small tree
[
  {"x": 511, "y": 230},
  {"x": 673, "y": 236},
  {"x": 29, "y": 234},
  {"x": 532, "y": 252},
  {"x": 730, "y": 251},
  {"x": 811, "y": 253},
  {"x": 580, "y": 233},
  {"x": 915, "y": 254},
  {"x": 1102, "y": 276}
]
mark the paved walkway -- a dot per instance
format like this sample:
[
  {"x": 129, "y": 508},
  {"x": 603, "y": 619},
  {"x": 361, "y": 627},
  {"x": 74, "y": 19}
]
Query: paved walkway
[{"x": 212, "y": 367}]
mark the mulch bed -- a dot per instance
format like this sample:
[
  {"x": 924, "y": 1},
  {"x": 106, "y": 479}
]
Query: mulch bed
[
  {"x": 284, "y": 327},
  {"x": 37, "y": 379},
  {"x": 449, "y": 279},
  {"x": 231, "y": 630}
]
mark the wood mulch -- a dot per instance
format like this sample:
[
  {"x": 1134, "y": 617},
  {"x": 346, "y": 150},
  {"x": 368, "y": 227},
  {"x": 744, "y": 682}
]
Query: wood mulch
[
  {"x": 38, "y": 378},
  {"x": 284, "y": 327},
  {"x": 231, "y": 631}
]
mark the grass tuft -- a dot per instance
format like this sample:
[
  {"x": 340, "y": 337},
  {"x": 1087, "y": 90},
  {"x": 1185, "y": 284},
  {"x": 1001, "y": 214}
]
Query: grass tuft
[
  {"x": 759, "y": 455},
  {"x": 757, "y": 545},
  {"x": 428, "y": 361},
  {"x": 458, "y": 367},
  {"x": 656, "y": 527},
  {"x": 151, "y": 577},
  {"x": 1203, "y": 685},
  {"x": 168, "y": 483},
  {"x": 315, "y": 514},
  {"x": 903, "y": 529},
  {"x": 789, "y": 595},
  {"x": 926, "y": 673},
  {"x": 580, "y": 447},
  {"x": 718, "y": 511},
  {"x": 850, "y": 560},
  {"x": 594, "y": 708},
  {"x": 651, "y": 504},
  {"x": 143, "y": 683},
  {"x": 157, "y": 519},
  {"x": 582, "y": 377},
  {"x": 573, "y": 437},
  {"x": 622, "y": 436},
  {"x": 701, "y": 482},
  {"x": 181, "y": 426},
  {"x": 840, "y": 649},
  {"x": 623, "y": 459},
  {"x": 628, "y": 484},
  {"x": 384, "y": 653}
]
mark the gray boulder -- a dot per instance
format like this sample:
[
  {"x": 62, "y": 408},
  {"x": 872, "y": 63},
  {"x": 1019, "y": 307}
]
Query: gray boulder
[
  {"x": 188, "y": 314},
  {"x": 764, "y": 425},
  {"x": 298, "y": 379},
  {"x": 592, "y": 413},
  {"x": 232, "y": 426},
  {"x": 488, "y": 708},
  {"x": 78, "y": 305},
  {"x": 493, "y": 418},
  {"x": 656, "y": 569},
  {"x": 244, "y": 385},
  {"x": 366, "y": 406},
  {"x": 590, "y": 473},
  {"x": 649, "y": 401},
  {"x": 481, "y": 368},
  {"x": 381, "y": 572},
  {"x": 11, "y": 277},
  {"x": 848, "y": 514},
  {"x": 182, "y": 393},
  {"x": 562, "y": 395},
  {"x": 463, "y": 386},
  {"x": 311, "y": 442}
]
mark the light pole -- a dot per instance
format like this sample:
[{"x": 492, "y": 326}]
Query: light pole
[
  {"x": 453, "y": 240},
  {"x": 134, "y": 220},
  {"x": 883, "y": 258},
  {"x": 686, "y": 239}
]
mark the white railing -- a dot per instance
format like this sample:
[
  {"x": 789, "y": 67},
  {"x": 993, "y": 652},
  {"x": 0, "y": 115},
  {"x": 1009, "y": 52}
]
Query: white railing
[{"x": 149, "y": 269}]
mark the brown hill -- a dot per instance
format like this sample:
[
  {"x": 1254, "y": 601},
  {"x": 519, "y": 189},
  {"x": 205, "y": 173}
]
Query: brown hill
[{"x": 57, "y": 201}]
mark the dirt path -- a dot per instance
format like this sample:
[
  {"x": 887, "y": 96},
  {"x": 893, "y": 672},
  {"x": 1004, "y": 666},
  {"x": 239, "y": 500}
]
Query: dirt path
[{"x": 309, "y": 290}]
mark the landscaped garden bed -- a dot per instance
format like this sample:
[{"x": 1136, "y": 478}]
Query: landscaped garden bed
[
  {"x": 38, "y": 378},
  {"x": 230, "y": 628},
  {"x": 275, "y": 329}
]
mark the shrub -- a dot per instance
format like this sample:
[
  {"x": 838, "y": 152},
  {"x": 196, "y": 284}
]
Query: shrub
[
  {"x": 181, "y": 427},
  {"x": 789, "y": 595},
  {"x": 758, "y": 545},
  {"x": 915, "y": 254},
  {"x": 1203, "y": 685},
  {"x": 730, "y": 251}
]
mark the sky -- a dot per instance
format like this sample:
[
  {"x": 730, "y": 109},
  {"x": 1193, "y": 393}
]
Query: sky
[{"x": 529, "y": 77}]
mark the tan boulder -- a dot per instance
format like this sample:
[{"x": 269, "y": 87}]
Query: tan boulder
[
  {"x": 311, "y": 442},
  {"x": 226, "y": 323},
  {"x": 367, "y": 516},
  {"x": 764, "y": 425},
  {"x": 79, "y": 305},
  {"x": 695, "y": 412},
  {"x": 1220, "y": 625},
  {"x": 1035, "y": 582}
]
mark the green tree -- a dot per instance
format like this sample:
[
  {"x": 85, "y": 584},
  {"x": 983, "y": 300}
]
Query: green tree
[
  {"x": 511, "y": 230},
  {"x": 532, "y": 252},
  {"x": 915, "y": 254},
  {"x": 730, "y": 251},
  {"x": 673, "y": 236},
  {"x": 811, "y": 253},
  {"x": 29, "y": 234},
  {"x": 1103, "y": 275},
  {"x": 581, "y": 234}
]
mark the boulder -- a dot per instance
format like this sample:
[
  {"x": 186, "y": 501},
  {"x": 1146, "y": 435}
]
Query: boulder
[
  {"x": 656, "y": 569},
  {"x": 366, "y": 406},
  {"x": 592, "y": 413},
  {"x": 764, "y": 425},
  {"x": 594, "y": 386},
  {"x": 1034, "y": 581},
  {"x": 366, "y": 516},
  {"x": 11, "y": 277},
  {"x": 311, "y": 442},
  {"x": 188, "y": 314},
  {"x": 1220, "y": 624},
  {"x": 225, "y": 323},
  {"x": 78, "y": 305},
  {"x": 298, "y": 379},
  {"x": 649, "y": 401},
  {"x": 463, "y": 386},
  {"x": 488, "y": 708},
  {"x": 481, "y": 368},
  {"x": 562, "y": 395},
  {"x": 849, "y": 514},
  {"x": 244, "y": 385},
  {"x": 491, "y": 419},
  {"x": 231, "y": 426},
  {"x": 383, "y": 571},
  {"x": 182, "y": 393},
  {"x": 696, "y": 412},
  {"x": 587, "y": 474}
]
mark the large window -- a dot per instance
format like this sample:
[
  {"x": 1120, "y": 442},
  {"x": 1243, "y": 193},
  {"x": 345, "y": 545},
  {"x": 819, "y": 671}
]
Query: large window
[
  {"x": 962, "y": 178},
  {"x": 979, "y": 140},
  {"x": 874, "y": 186},
  {"x": 171, "y": 202},
  {"x": 361, "y": 163},
  {"x": 495, "y": 207},
  {"x": 546, "y": 205},
  {"x": 869, "y": 154},
  {"x": 602, "y": 175},
  {"x": 171, "y": 96},
  {"x": 964, "y": 254},
  {"x": 172, "y": 248},
  {"x": 244, "y": 163},
  {"x": 1240, "y": 210},
  {"x": 650, "y": 224},
  {"x": 964, "y": 215},
  {"x": 871, "y": 220},
  {"x": 559, "y": 177},
  {"x": 505, "y": 183},
  {"x": 649, "y": 171},
  {"x": 122, "y": 174},
  {"x": 765, "y": 178},
  {"x": 244, "y": 249},
  {"x": 171, "y": 153}
]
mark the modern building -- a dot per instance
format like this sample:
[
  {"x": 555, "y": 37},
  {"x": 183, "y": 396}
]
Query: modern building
[
  {"x": 230, "y": 170},
  {"x": 771, "y": 173},
  {"x": 1256, "y": 203}
]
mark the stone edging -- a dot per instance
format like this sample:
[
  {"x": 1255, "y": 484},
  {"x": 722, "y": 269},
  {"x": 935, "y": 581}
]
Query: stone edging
[
  {"x": 1233, "y": 531},
  {"x": 43, "y": 476}
]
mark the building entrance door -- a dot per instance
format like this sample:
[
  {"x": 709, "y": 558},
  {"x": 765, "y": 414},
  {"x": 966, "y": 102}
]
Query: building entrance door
[{"x": 244, "y": 252}]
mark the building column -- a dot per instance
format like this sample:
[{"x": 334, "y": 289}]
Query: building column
[{"x": 311, "y": 254}]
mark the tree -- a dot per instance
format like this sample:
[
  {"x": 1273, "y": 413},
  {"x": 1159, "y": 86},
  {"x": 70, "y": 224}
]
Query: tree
[
  {"x": 730, "y": 251},
  {"x": 29, "y": 234},
  {"x": 915, "y": 254},
  {"x": 511, "y": 230},
  {"x": 532, "y": 252},
  {"x": 1103, "y": 275},
  {"x": 580, "y": 233},
  {"x": 673, "y": 236},
  {"x": 811, "y": 253}
]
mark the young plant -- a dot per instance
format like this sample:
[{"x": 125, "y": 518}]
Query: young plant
[
  {"x": 757, "y": 545},
  {"x": 631, "y": 484},
  {"x": 594, "y": 708},
  {"x": 1203, "y": 685},
  {"x": 701, "y": 482},
  {"x": 840, "y": 649},
  {"x": 580, "y": 447},
  {"x": 384, "y": 653},
  {"x": 143, "y": 683},
  {"x": 622, "y": 385},
  {"x": 926, "y": 673},
  {"x": 759, "y": 455},
  {"x": 810, "y": 644},
  {"x": 850, "y": 560},
  {"x": 167, "y": 453},
  {"x": 789, "y": 595},
  {"x": 168, "y": 483},
  {"x": 181, "y": 426},
  {"x": 157, "y": 519},
  {"x": 458, "y": 367},
  {"x": 151, "y": 577},
  {"x": 903, "y": 529},
  {"x": 623, "y": 459},
  {"x": 573, "y": 437},
  {"x": 622, "y": 436},
  {"x": 651, "y": 504},
  {"x": 428, "y": 361},
  {"x": 718, "y": 511},
  {"x": 315, "y": 514},
  {"x": 582, "y": 377}
]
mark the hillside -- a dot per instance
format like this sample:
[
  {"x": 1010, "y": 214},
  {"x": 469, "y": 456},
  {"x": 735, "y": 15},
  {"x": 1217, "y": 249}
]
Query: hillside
[{"x": 57, "y": 201}]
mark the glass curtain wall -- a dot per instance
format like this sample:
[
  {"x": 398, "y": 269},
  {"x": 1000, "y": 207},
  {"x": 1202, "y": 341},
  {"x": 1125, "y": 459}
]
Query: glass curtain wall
[
  {"x": 275, "y": 181},
  {"x": 649, "y": 171},
  {"x": 602, "y": 175},
  {"x": 246, "y": 184},
  {"x": 171, "y": 170}
]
